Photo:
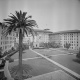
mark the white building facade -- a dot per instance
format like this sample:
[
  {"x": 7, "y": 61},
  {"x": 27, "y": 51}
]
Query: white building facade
[
  {"x": 63, "y": 37},
  {"x": 42, "y": 36},
  {"x": 6, "y": 42}
]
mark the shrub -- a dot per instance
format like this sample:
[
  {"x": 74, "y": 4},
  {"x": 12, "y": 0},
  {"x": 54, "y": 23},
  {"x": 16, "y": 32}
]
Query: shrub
[
  {"x": 25, "y": 46},
  {"x": 41, "y": 44},
  {"x": 46, "y": 45},
  {"x": 5, "y": 53},
  {"x": 67, "y": 45},
  {"x": 50, "y": 45},
  {"x": 54, "y": 45},
  {"x": 1, "y": 51},
  {"x": 9, "y": 59},
  {"x": 78, "y": 54}
]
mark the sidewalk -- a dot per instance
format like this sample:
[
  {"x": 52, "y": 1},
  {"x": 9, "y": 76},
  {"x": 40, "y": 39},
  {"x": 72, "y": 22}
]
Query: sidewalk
[
  {"x": 65, "y": 50},
  {"x": 56, "y": 75}
]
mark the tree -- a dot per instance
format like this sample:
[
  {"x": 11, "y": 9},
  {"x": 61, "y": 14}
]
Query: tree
[
  {"x": 67, "y": 45},
  {"x": 23, "y": 25},
  {"x": 1, "y": 50},
  {"x": 78, "y": 54}
]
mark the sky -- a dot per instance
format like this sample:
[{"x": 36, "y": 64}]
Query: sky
[{"x": 56, "y": 15}]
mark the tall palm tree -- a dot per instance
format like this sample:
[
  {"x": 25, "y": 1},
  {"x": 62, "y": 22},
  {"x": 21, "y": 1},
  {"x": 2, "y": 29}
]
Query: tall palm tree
[{"x": 23, "y": 25}]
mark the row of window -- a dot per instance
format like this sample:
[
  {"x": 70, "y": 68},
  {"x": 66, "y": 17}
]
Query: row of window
[
  {"x": 70, "y": 39},
  {"x": 71, "y": 34},
  {"x": 7, "y": 38},
  {"x": 6, "y": 42},
  {"x": 6, "y": 47},
  {"x": 76, "y": 48},
  {"x": 72, "y": 44}
]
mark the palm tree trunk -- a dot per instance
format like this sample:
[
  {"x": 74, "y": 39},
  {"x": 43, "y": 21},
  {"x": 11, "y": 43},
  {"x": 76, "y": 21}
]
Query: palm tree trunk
[
  {"x": 33, "y": 43},
  {"x": 20, "y": 54}
]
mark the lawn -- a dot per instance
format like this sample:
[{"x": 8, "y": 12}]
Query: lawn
[
  {"x": 69, "y": 61},
  {"x": 26, "y": 54},
  {"x": 41, "y": 66},
  {"x": 38, "y": 66},
  {"x": 69, "y": 50},
  {"x": 49, "y": 52}
]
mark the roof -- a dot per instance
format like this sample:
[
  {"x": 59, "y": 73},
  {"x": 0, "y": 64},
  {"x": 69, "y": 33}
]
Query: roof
[
  {"x": 67, "y": 31},
  {"x": 44, "y": 31}
]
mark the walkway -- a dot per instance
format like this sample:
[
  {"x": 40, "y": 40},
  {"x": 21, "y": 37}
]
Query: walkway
[{"x": 56, "y": 75}]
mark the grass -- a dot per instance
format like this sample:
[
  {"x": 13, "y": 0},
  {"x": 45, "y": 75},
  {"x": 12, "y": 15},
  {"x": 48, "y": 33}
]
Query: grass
[
  {"x": 14, "y": 71},
  {"x": 34, "y": 67},
  {"x": 70, "y": 51}
]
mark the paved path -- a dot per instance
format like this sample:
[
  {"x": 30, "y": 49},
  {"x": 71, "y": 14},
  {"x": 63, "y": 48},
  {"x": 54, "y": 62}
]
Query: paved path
[{"x": 56, "y": 75}]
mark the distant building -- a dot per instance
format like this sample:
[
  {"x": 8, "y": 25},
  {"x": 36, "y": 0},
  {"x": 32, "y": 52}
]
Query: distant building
[
  {"x": 63, "y": 37},
  {"x": 42, "y": 36},
  {"x": 6, "y": 42}
]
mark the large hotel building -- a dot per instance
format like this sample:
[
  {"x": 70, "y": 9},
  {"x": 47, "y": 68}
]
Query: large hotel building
[
  {"x": 43, "y": 36},
  {"x": 63, "y": 37},
  {"x": 6, "y": 42}
]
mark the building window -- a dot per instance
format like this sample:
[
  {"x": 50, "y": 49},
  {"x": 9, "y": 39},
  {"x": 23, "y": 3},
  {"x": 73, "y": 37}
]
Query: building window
[
  {"x": 10, "y": 42},
  {"x": 7, "y": 38},
  {"x": 1, "y": 43},
  {"x": 1, "y": 37},
  {"x": 5, "y": 42},
  {"x": 10, "y": 37},
  {"x": 5, "y": 47},
  {"x": 13, "y": 34}
]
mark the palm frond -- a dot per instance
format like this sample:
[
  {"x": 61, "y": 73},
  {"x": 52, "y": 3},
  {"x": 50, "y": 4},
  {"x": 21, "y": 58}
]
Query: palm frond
[
  {"x": 24, "y": 14},
  {"x": 31, "y": 23},
  {"x": 25, "y": 31},
  {"x": 28, "y": 17},
  {"x": 14, "y": 16},
  {"x": 17, "y": 14},
  {"x": 20, "y": 21}
]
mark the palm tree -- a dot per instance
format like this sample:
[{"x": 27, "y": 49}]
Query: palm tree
[{"x": 23, "y": 25}]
